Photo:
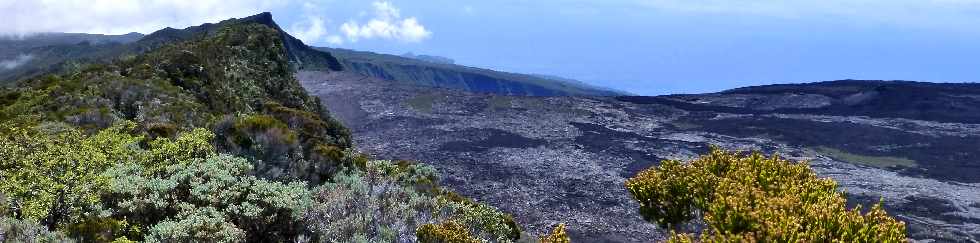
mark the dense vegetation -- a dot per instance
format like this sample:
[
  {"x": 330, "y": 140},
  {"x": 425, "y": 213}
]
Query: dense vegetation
[
  {"x": 207, "y": 140},
  {"x": 727, "y": 197}
]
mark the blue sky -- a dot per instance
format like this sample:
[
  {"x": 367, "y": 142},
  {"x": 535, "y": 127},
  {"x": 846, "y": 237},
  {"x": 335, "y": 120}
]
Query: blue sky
[{"x": 642, "y": 46}]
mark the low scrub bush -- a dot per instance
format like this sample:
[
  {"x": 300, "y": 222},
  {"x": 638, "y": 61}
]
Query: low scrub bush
[
  {"x": 53, "y": 174},
  {"x": 557, "y": 235},
  {"x": 27, "y": 231},
  {"x": 212, "y": 200},
  {"x": 447, "y": 232},
  {"x": 392, "y": 202},
  {"x": 379, "y": 205},
  {"x": 751, "y": 198}
]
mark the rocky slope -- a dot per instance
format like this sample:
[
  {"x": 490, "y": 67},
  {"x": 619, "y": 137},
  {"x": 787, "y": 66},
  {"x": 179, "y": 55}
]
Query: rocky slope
[{"x": 564, "y": 159}]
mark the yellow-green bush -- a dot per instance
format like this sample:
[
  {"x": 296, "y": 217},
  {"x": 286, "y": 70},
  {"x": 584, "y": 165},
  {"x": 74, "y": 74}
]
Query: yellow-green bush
[
  {"x": 557, "y": 235},
  {"x": 447, "y": 232},
  {"x": 486, "y": 219},
  {"x": 187, "y": 146},
  {"x": 755, "y": 198},
  {"x": 53, "y": 173}
]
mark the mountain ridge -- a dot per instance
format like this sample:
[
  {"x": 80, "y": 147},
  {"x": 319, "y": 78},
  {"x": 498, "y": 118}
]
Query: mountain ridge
[{"x": 59, "y": 57}]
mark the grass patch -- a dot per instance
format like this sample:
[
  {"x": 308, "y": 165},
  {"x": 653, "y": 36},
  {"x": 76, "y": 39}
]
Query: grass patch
[
  {"x": 422, "y": 102},
  {"x": 876, "y": 161}
]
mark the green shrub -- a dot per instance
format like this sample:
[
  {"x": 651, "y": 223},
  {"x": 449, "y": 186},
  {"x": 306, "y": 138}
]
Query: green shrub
[
  {"x": 55, "y": 176},
  {"x": 447, "y": 232},
  {"x": 485, "y": 222},
  {"x": 328, "y": 160},
  {"x": 755, "y": 198},
  {"x": 163, "y": 152},
  {"x": 557, "y": 235},
  {"x": 97, "y": 229},
  {"x": 213, "y": 199},
  {"x": 370, "y": 205},
  {"x": 328, "y": 153},
  {"x": 205, "y": 224},
  {"x": 490, "y": 222},
  {"x": 390, "y": 201},
  {"x": 27, "y": 231},
  {"x": 161, "y": 130},
  {"x": 313, "y": 126}
]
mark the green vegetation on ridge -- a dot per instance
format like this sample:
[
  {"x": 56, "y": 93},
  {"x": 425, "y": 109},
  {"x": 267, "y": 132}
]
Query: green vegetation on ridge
[
  {"x": 207, "y": 140},
  {"x": 62, "y": 53}
]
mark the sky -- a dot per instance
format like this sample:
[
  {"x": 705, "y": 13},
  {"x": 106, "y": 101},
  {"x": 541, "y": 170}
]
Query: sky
[{"x": 647, "y": 47}]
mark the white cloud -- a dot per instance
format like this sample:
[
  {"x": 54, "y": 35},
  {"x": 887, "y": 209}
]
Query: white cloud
[
  {"x": 16, "y": 62},
  {"x": 335, "y": 40},
  {"x": 121, "y": 16},
  {"x": 310, "y": 30},
  {"x": 386, "y": 23},
  {"x": 385, "y": 10},
  {"x": 314, "y": 27}
]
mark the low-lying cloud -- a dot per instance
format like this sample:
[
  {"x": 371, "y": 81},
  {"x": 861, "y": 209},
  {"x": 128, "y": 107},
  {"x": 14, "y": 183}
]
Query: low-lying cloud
[{"x": 15, "y": 62}]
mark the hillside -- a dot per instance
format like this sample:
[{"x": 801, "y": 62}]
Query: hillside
[
  {"x": 446, "y": 75},
  {"x": 207, "y": 139},
  {"x": 56, "y": 53}
]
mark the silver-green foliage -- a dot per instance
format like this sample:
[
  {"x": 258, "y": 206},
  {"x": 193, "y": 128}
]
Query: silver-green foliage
[
  {"x": 15, "y": 231},
  {"x": 377, "y": 205},
  {"x": 213, "y": 199},
  {"x": 388, "y": 202}
]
